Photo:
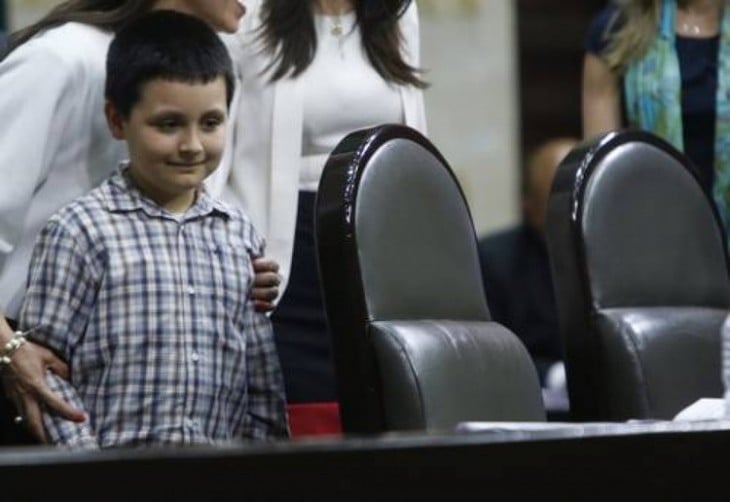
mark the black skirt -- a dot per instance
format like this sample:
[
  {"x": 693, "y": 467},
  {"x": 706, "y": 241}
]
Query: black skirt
[{"x": 300, "y": 327}]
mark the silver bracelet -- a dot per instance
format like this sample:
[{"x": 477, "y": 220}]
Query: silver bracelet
[{"x": 18, "y": 340}]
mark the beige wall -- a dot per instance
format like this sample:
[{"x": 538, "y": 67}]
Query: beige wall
[
  {"x": 468, "y": 47},
  {"x": 23, "y": 12}
]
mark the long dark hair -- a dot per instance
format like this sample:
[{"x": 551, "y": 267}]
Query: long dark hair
[
  {"x": 288, "y": 33},
  {"x": 105, "y": 14}
]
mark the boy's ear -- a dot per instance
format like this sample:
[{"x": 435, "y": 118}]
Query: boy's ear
[{"x": 114, "y": 120}]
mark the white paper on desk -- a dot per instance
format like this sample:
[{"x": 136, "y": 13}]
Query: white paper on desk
[
  {"x": 531, "y": 428},
  {"x": 513, "y": 426},
  {"x": 703, "y": 409}
]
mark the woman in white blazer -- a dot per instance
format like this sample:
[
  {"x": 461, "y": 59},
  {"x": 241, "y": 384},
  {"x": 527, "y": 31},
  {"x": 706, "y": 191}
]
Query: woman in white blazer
[
  {"x": 56, "y": 146},
  {"x": 310, "y": 72}
]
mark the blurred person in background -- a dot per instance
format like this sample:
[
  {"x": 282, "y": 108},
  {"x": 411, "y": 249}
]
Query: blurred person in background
[
  {"x": 517, "y": 277},
  {"x": 664, "y": 66}
]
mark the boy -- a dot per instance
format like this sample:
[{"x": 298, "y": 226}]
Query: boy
[{"x": 143, "y": 284}]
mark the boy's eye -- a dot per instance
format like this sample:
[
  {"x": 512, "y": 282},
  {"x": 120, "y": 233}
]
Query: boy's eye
[
  {"x": 167, "y": 125},
  {"x": 212, "y": 123}
]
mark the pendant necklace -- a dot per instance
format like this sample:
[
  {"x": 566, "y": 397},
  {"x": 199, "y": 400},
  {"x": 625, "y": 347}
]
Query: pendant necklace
[
  {"x": 337, "y": 28},
  {"x": 338, "y": 31}
]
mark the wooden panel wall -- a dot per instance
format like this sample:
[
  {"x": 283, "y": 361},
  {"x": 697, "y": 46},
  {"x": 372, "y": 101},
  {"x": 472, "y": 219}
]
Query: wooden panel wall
[{"x": 551, "y": 36}]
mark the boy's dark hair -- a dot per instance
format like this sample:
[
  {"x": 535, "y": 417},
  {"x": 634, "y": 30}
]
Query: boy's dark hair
[{"x": 167, "y": 45}]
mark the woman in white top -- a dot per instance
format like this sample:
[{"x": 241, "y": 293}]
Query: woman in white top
[
  {"x": 312, "y": 71},
  {"x": 55, "y": 146}
]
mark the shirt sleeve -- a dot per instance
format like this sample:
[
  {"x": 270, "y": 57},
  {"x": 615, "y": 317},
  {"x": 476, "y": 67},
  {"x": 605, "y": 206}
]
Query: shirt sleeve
[
  {"x": 266, "y": 416},
  {"x": 61, "y": 290},
  {"x": 62, "y": 432},
  {"x": 408, "y": 25},
  {"x": 604, "y": 24},
  {"x": 62, "y": 285},
  {"x": 410, "y": 31},
  {"x": 38, "y": 101}
]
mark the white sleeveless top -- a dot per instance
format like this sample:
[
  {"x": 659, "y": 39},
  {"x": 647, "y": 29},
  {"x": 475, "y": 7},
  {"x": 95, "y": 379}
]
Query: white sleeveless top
[{"x": 341, "y": 93}]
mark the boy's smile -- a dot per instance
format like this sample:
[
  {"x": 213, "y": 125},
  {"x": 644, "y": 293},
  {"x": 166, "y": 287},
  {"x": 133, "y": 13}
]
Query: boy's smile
[{"x": 175, "y": 134}]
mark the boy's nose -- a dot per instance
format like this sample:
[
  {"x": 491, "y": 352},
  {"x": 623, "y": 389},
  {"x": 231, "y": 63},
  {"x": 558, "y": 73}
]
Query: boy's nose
[{"x": 191, "y": 144}]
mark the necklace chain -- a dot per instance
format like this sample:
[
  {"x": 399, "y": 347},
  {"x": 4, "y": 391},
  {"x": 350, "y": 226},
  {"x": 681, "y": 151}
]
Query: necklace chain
[
  {"x": 693, "y": 22},
  {"x": 337, "y": 29},
  {"x": 691, "y": 28}
]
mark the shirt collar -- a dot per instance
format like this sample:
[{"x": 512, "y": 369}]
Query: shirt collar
[{"x": 122, "y": 195}]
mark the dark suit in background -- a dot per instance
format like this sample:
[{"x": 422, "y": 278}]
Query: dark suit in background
[
  {"x": 516, "y": 270},
  {"x": 517, "y": 280}
]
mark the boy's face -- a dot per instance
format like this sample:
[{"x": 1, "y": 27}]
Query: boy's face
[{"x": 175, "y": 134}]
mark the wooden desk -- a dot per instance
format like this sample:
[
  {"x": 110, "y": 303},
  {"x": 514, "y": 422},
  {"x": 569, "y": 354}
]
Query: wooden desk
[{"x": 665, "y": 461}]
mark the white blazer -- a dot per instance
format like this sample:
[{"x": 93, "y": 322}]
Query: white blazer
[
  {"x": 260, "y": 170},
  {"x": 54, "y": 144}
]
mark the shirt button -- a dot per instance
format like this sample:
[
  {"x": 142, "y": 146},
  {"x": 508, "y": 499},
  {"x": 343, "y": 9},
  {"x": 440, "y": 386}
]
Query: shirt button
[
  {"x": 191, "y": 290},
  {"x": 195, "y": 357}
]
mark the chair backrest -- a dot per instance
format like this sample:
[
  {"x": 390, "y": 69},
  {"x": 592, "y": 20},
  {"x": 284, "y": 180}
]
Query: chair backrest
[
  {"x": 414, "y": 346},
  {"x": 641, "y": 278}
]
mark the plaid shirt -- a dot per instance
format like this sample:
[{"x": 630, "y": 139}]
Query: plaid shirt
[{"x": 152, "y": 312}]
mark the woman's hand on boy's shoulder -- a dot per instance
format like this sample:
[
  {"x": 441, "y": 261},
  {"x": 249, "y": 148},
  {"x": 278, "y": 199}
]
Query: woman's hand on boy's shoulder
[{"x": 266, "y": 282}]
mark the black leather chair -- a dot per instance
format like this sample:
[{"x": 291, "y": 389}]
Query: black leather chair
[
  {"x": 641, "y": 278},
  {"x": 414, "y": 346}
]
